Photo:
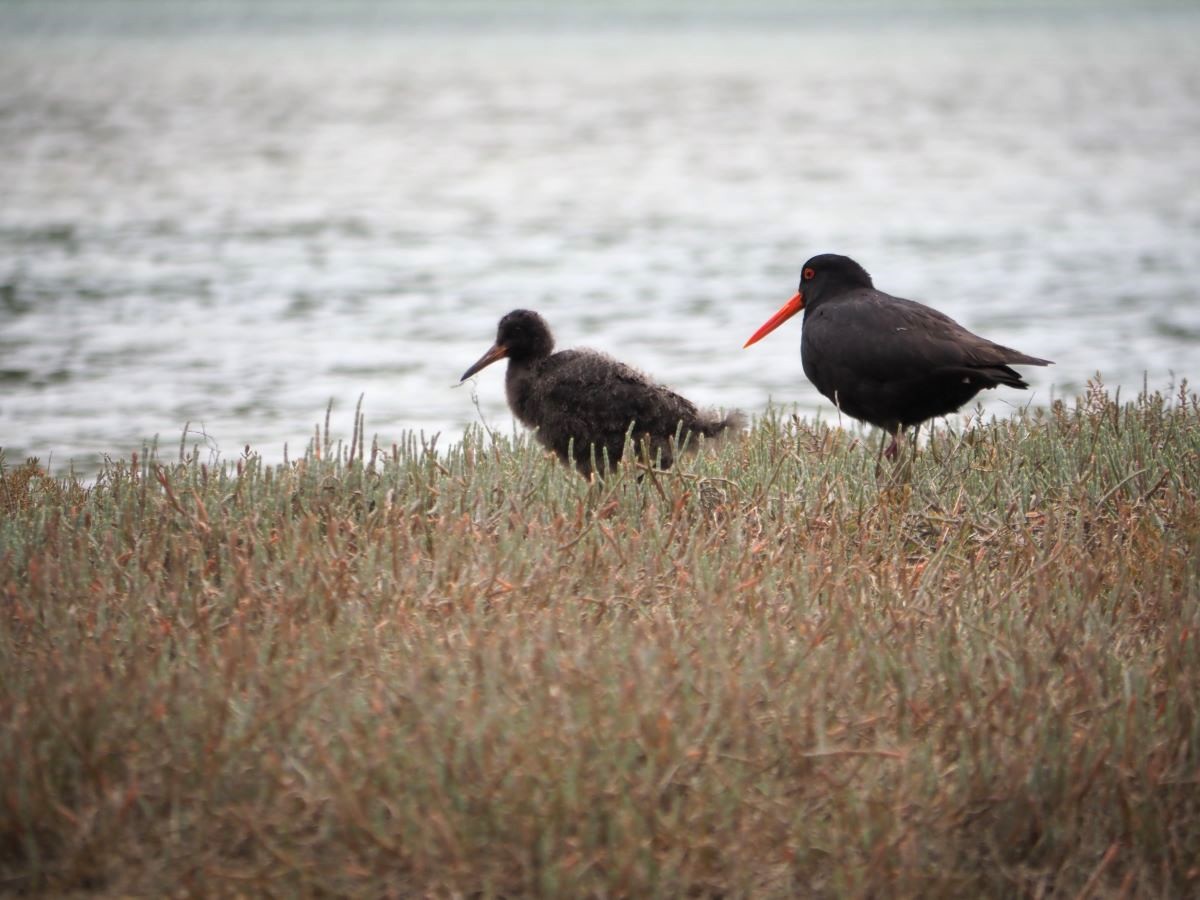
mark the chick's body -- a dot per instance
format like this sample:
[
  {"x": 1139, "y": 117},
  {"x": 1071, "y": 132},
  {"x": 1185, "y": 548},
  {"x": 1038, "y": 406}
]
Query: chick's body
[{"x": 583, "y": 403}]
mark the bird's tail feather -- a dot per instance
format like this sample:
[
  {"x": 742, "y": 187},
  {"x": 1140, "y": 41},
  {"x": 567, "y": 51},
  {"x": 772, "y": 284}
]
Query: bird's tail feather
[
  {"x": 714, "y": 424},
  {"x": 993, "y": 376},
  {"x": 1017, "y": 358}
]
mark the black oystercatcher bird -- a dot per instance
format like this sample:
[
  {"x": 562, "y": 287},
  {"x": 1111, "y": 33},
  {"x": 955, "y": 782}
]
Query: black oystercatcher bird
[
  {"x": 884, "y": 360},
  {"x": 582, "y": 402}
]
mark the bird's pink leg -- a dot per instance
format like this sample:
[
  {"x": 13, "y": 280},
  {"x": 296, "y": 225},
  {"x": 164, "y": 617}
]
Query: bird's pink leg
[{"x": 893, "y": 449}]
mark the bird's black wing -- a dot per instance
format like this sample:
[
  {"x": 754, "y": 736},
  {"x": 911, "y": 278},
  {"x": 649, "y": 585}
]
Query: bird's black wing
[{"x": 892, "y": 339}]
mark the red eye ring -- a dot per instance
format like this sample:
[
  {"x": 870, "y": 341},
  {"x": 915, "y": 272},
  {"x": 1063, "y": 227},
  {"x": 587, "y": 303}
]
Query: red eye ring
[{"x": 809, "y": 274}]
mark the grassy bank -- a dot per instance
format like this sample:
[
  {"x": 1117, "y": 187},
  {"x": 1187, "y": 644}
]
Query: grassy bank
[{"x": 464, "y": 669}]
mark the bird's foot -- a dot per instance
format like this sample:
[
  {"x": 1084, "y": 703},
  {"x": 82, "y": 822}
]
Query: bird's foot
[{"x": 893, "y": 449}]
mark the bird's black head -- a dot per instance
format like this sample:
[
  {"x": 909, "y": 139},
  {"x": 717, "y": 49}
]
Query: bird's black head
[
  {"x": 521, "y": 336},
  {"x": 822, "y": 278},
  {"x": 828, "y": 275}
]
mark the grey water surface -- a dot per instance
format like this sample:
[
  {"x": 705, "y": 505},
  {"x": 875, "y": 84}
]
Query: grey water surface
[{"x": 228, "y": 215}]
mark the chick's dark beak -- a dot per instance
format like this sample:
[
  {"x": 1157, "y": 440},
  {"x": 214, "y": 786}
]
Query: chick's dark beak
[{"x": 497, "y": 351}]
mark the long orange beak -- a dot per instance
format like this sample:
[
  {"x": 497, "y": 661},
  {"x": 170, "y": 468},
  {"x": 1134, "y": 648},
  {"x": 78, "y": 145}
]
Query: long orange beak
[
  {"x": 786, "y": 311},
  {"x": 497, "y": 351}
]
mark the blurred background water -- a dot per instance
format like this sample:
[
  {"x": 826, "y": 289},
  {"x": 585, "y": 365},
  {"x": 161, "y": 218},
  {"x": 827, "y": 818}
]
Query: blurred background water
[{"x": 229, "y": 213}]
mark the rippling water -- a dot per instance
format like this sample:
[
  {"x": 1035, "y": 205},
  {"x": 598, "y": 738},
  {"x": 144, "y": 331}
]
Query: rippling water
[{"x": 229, "y": 220}]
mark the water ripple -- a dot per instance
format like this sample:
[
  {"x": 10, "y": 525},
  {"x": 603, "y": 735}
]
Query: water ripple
[{"x": 234, "y": 232}]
